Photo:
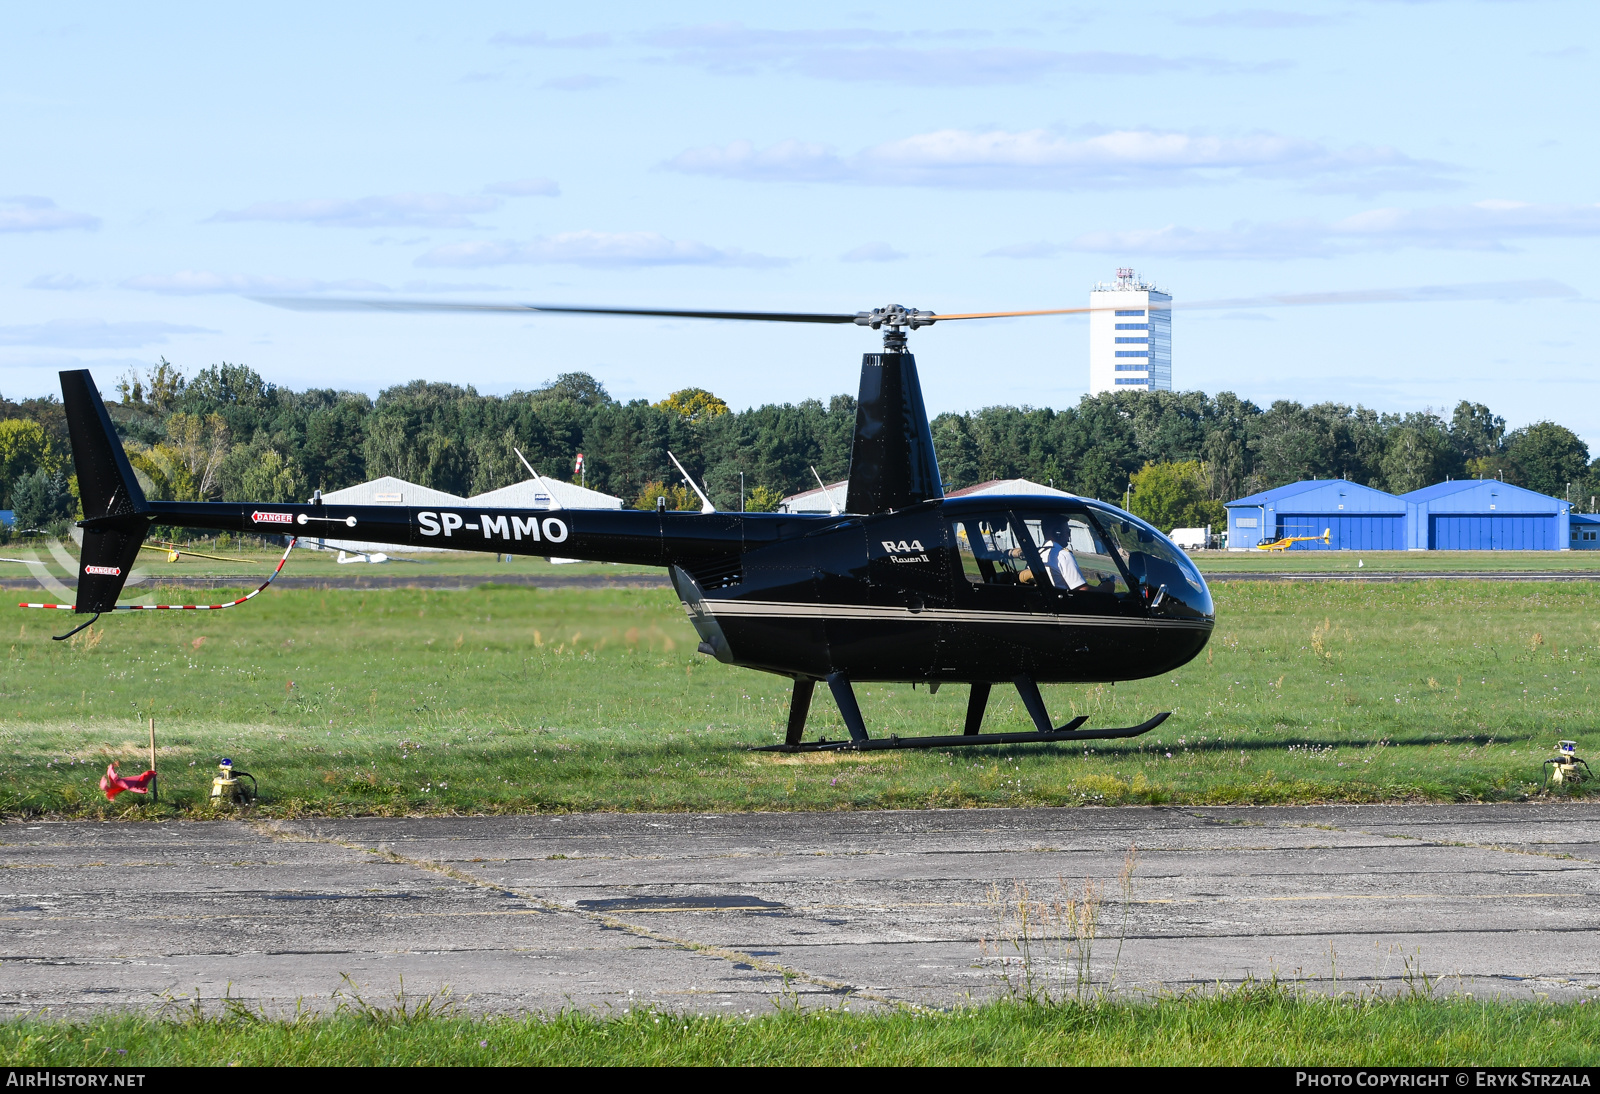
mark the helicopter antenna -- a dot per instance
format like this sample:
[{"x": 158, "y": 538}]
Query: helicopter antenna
[
  {"x": 554, "y": 504},
  {"x": 833, "y": 506},
  {"x": 705, "y": 502}
]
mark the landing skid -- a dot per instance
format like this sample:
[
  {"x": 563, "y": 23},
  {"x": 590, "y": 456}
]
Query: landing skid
[
  {"x": 1065, "y": 733},
  {"x": 859, "y": 741}
]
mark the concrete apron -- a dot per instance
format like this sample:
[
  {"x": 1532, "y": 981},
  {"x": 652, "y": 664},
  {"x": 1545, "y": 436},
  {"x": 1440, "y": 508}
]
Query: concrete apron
[{"x": 734, "y": 914}]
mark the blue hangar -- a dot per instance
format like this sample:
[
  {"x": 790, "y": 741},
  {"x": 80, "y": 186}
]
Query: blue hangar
[
  {"x": 1486, "y": 515},
  {"x": 1584, "y": 534},
  {"x": 1358, "y": 518}
]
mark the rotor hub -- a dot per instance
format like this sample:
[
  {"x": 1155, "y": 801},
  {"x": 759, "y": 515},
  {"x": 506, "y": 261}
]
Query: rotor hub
[{"x": 895, "y": 320}]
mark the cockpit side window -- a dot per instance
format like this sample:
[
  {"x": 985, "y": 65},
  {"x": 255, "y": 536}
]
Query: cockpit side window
[
  {"x": 1074, "y": 556},
  {"x": 1154, "y": 562},
  {"x": 992, "y": 552}
]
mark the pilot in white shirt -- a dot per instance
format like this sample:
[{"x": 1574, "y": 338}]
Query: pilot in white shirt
[
  {"x": 1056, "y": 554},
  {"x": 1062, "y": 567}
]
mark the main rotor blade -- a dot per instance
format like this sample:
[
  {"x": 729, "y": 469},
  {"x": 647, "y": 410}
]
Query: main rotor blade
[
  {"x": 310, "y": 303},
  {"x": 1010, "y": 314}
]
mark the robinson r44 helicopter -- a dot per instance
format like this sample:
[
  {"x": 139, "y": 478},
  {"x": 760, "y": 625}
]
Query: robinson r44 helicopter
[{"x": 904, "y": 585}]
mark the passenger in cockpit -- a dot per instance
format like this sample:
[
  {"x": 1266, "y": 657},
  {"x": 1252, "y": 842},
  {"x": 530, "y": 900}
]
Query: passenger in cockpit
[{"x": 1056, "y": 553}]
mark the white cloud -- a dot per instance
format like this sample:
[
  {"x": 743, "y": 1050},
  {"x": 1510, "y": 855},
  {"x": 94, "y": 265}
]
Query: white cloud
[
  {"x": 193, "y": 282},
  {"x": 874, "y": 55},
  {"x": 873, "y": 252},
  {"x": 30, "y": 213},
  {"x": 787, "y": 161},
  {"x": 93, "y": 334},
  {"x": 1541, "y": 289},
  {"x": 587, "y": 248},
  {"x": 1482, "y": 226},
  {"x": 1038, "y": 249},
  {"x": 60, "y": 282},
  {"x": 1041, "y": 159},
  {"x": 582, "y": 82},
  {"x": 521, "y": 188},
  {"x": 1256, "y": 19},
  {"x": 452, "y": 286},
  {"x": 391, "y": 210},
  {"x": 538, "y": 39},
  {"x": 1284, "y": 239}
]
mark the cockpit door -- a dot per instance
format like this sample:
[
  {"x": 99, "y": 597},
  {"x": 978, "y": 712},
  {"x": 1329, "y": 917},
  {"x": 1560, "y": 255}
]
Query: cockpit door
[{"x": 995, "y": 595}]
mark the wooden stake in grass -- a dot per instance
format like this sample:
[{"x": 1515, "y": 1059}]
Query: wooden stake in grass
[{"x": 154, "y": 788}]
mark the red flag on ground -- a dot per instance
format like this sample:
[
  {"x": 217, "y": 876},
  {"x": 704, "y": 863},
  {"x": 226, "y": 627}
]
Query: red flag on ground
[{"x": 114, "y": 784}]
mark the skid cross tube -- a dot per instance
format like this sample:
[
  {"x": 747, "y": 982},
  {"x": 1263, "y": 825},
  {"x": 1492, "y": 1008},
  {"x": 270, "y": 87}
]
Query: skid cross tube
[{"x": 1065, "y": 733}]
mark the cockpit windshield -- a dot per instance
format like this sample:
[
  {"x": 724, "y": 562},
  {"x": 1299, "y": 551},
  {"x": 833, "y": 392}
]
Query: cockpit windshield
[{"x": 1155, "y": 561}]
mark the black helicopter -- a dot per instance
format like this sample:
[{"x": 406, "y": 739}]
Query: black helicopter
[{"x": 904, "y": 585}]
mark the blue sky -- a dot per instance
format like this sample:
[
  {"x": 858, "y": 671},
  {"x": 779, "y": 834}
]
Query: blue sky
[{"x": 1417, "y": 179}]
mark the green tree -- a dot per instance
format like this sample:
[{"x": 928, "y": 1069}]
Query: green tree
[
  {"x": 678, "y": 497},
  {"x": 42, "y": 499},
  {"x": 225, "y": 384},
  {"x": 166, "y": 475},
  {"x": 1547, "y": 457},
  {"x": 199, "y": 444},
  {"x": 25, "y": 447},
  {"x": 332, "y": 448},
  {"x": 1476, "y": 432},
  {"x": 693, "y": 404},
  {"x": 763, "y": 499},
  {"x": 575, "y": 387},
  {"x": 1417, "y": 453},
  {"x": 1173, "y": 495},
  {"x": 251, "y": 472}
]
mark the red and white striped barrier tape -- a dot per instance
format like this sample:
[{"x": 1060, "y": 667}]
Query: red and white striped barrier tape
[{"x": 182, "y": 607}]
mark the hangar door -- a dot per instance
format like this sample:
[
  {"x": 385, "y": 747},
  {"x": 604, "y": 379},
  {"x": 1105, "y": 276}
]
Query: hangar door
[
  {"x": 1482, "y": 532},
  {"x": 1347, "y": 533}
]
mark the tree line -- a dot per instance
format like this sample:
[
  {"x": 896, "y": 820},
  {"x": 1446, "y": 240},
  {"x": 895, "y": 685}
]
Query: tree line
[{"x": 225, "y": 433}]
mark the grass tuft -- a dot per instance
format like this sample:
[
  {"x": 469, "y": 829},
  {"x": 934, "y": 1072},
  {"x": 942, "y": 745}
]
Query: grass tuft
[
  {"x": 1259, "y": 1024},
  {"x": 510, "y": 700}
]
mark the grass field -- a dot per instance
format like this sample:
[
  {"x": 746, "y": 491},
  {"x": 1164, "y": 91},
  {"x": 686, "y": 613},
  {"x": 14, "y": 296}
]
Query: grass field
[
  {"x": 504, "y": 699},
  {"x": 1248, "y": 1027},
  {"x": 306, "y": 563},
  {"x": 1226, "y": 562}
]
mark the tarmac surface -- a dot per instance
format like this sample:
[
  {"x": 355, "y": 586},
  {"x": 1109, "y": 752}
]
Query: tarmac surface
[{"x": 735, "y": 913}]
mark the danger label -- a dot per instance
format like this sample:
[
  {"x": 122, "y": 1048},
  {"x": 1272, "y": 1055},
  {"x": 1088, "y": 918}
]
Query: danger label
[
  {"x": 104, "y": 571},
  {"x": 272, "y": 518}
]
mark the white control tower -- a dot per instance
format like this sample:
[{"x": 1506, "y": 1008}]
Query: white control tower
[{"x": 1130, "y": 336}]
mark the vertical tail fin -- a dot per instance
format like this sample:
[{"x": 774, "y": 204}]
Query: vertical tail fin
[
  {"x": 892, "y": 464},
  {"x": 115, "y": 512},
  {"x": 105, "y": 478}
]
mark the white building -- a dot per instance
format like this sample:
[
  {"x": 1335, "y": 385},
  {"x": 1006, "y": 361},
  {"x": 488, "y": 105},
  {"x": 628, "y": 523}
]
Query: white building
[
  {"x": 830, "y": 499},
  {"x": 386, "y": 490},
  {"x": 824, "y": 499},
  {"x": 543, "y": 493},
  {"x": 538, "y": 493},
  {"x": 1008, "y": 487},
  {"x": 1130, "y": 336}
]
